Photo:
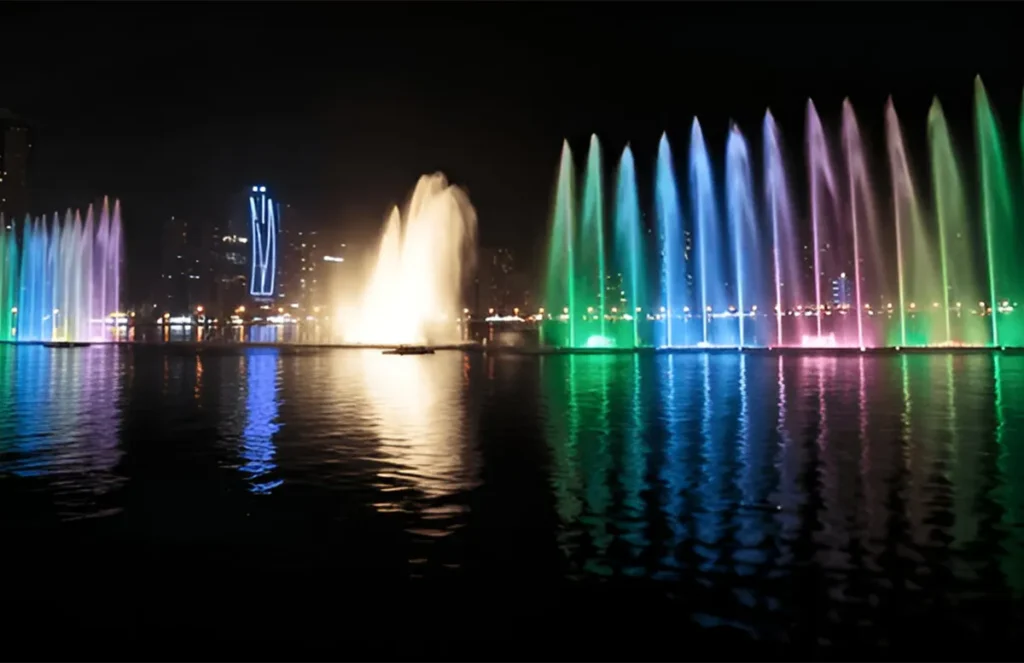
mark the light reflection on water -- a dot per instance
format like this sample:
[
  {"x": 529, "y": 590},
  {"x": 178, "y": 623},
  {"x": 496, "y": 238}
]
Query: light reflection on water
[
  {"x": 262, "y": 393},
  {"x": 768, "y": 494},
  {"x": 59, "y": 423}
]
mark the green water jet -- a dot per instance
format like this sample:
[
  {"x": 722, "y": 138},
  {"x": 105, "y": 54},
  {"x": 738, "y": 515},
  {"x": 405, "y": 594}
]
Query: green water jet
[
  {"x": 960, "y": 281},
  {"x": 919, "y": 279},
  {"x": 591, "y": 275},
  {"x": 1003, "y": 240},
  {"x": 560, "y": 288}
]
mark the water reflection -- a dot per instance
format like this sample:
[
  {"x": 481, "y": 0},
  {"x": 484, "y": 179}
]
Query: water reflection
[
  {"x": 417, "y": 407},
  {"x": 59, "y": 424},
  {"x": 261, "y": 421},
  {"x": 1009, "y": 438},
  {"x": 784, "y": 496},
  {"x": 854, "y": 480}
]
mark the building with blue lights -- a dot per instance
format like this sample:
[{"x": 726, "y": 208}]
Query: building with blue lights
[{"x": 265, "y": 215}]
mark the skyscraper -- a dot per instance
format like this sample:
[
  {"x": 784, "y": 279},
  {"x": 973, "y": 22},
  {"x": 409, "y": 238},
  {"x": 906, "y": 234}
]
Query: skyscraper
[
  {"x": 841, "y": 291},
  {"x": 264, "y": 215},
  {"x": 15, "y": 149}
]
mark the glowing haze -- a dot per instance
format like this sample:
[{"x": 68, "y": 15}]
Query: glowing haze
[{"x": 413, "y": 293}]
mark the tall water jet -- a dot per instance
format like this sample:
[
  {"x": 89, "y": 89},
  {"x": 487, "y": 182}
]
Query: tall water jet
[
  {"x": 8, "y": 281},
  {"x": 1003, "y": 237},
  {"x": 673, "y": 295},
  {"x": 629, "y": 248},
  {"x": 711, "y": 269},
  {"x": 918, "y": 278},
  {"x": 785, "y": 238},
  {"x": 867, "y": 247},
  {"x": 746, "y": 245},
  {"x": 560, "y": 284},
  {"x": 414, "y": 291},
  {"x": 823, "y": 212},
  {"x": 590, "y": 252},
  {"x": 961, "y": 282}
]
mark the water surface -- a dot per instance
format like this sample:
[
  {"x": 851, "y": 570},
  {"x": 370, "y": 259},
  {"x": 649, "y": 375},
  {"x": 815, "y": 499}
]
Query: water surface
[{"x": 593, "y": 502}]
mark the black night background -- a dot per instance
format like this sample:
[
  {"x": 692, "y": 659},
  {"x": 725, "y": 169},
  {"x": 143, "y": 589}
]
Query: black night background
[{"x": 177, "y": 108}]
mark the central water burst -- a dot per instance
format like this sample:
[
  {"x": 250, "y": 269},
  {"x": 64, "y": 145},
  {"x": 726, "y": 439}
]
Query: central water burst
[{"x": 413, "y": 293}]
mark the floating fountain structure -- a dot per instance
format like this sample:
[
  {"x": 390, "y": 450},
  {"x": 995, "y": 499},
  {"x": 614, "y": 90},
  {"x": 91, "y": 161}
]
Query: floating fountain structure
[
  {"x": 60, "y": 280},
  {"x": 749, "y": 264}
]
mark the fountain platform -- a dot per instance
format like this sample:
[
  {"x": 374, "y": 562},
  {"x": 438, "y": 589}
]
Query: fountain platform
[
  {"x": 65, "y": 344},
  {"x": 410, "y": 350}
]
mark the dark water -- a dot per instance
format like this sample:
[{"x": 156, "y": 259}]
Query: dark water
[{"x": 559, "y": 507}]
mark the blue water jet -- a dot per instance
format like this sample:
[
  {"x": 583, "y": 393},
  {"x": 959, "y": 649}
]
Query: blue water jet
[
  {"x": 712, "y": 263},
  {"x": 673, "y": 295},
  {"x": 743, "y": 230}
]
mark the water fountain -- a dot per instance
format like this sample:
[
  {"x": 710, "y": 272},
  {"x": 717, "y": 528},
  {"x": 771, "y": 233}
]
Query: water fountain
[
  {"x": 595, "y": 297},
  {"x": 785, "y": 240},
  {"x": 743, "y": 227},
  {"x": 62, "y": 280},
  {"x": 712, "y": 262},
  {"x": 919, "y": 278},
  {"x": 1004, "y": 235},
  {"x": 415, "y": 286},
  {"x": 628, "y": 254},
  {"x": 932, "y": 267},
  {"x": 673, "y": 243}
]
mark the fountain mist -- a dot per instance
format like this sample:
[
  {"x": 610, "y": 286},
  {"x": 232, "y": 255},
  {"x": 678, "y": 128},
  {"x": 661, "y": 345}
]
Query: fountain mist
[{"x": 414, "y": 292}]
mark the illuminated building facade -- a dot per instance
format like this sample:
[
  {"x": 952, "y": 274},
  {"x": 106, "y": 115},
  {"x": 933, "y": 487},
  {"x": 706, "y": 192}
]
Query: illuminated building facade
[
  {"x": 15, "y": 150},
  {"x": 265, "y": 227},
  {"x": 181, "y": 268},
  {"x": 228, "y": 261},
  {"x": 842, "y": 291},
  {"x": 501, "y": 286}
]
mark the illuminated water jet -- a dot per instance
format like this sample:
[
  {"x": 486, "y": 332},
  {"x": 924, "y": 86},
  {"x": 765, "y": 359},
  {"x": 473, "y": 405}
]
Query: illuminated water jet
[{"x": 415, "y": 286}]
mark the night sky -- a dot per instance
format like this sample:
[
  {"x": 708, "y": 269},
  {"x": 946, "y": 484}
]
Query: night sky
[{"x": 338, "y": 107}]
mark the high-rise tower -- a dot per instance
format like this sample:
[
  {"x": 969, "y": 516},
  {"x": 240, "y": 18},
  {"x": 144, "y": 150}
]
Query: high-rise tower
[
  {"x": 265, "y": 215},
  {"x": 15, "y": 149}
]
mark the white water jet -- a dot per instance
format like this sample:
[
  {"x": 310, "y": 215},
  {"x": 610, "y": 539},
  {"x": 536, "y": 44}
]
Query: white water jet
[{"x": 413, "y": 294}]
